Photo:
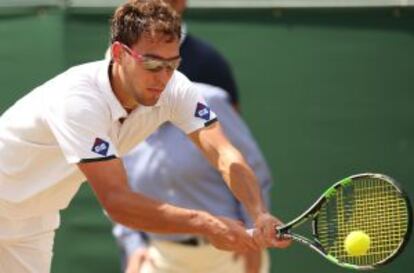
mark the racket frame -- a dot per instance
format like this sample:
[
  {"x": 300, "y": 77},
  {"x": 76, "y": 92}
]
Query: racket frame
[{"x": 313, "y": 211}]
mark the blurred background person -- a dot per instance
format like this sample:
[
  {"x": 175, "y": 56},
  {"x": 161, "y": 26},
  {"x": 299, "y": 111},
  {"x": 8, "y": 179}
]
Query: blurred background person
[{"x": 201, "y": 62}]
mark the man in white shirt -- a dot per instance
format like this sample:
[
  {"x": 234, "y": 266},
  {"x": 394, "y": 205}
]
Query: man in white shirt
[{"x": 78, "y": 125}]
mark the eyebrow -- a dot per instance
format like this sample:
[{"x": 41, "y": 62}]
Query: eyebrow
[{"x": 161, "y": 58}]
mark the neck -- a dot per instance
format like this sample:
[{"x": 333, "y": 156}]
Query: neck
[{"x": 118, "y": 87}]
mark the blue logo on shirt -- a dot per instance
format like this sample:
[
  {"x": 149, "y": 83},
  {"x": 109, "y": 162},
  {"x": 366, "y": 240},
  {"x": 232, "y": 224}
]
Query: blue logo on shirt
[
  {"x": 100, "y": 147},
  {"x": 202, "y": 111}
]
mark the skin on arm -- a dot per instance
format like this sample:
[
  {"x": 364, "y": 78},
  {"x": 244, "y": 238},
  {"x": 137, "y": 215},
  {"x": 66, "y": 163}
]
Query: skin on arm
[
  {"x": 241, "y": 180},
  {"x": 238, "y": 176},
  {"x": 137, "y": 211}
]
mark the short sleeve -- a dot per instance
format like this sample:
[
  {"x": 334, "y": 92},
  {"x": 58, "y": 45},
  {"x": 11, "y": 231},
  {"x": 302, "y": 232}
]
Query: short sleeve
[
  {"x": 81, "y": 126},
  {"x": 190, "y": 110}
]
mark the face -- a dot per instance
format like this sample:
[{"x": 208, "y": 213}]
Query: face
[
  {"x": 142, "y": 79},
  {"x": 178, "y": 5}
]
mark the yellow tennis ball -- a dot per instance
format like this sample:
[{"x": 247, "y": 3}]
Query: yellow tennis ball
[{"x": 357, "y": 243}]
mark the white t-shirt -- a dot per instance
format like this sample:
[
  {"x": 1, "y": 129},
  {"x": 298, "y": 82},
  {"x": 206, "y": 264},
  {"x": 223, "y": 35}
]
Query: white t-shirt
[{"x": 75, "y": 117}]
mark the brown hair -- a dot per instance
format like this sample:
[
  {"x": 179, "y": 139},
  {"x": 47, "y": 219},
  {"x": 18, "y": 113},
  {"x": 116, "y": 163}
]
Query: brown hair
[{"x": 136, "y": 18}]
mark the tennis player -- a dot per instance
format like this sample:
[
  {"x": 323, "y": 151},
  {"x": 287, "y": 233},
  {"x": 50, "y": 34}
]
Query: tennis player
[{"x": 76, "y": 126}]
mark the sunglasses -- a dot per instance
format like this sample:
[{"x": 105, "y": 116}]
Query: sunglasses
[{"x": 153, "y": 64}]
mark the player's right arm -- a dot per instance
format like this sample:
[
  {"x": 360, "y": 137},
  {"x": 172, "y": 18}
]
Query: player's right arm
[{"x": 109, "y": 181}]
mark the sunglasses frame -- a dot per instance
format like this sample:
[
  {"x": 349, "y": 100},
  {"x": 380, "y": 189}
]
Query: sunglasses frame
[{"x": 152, "y": 64}]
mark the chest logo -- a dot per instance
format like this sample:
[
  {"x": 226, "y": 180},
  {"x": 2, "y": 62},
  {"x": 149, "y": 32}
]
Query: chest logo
[
  {"x": 100, "y": 147},
  {"x": 202, "y": 111}
]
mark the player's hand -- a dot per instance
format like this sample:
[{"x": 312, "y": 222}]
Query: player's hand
[
  {"x": 231, "y": 235},
  {"x": 137, "y": 259},
  {"x": 265, "y": 234},
  {"x": 252, "y": 261}
]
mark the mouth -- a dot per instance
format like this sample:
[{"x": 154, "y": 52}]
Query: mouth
[{"x": 155, "y": 91}]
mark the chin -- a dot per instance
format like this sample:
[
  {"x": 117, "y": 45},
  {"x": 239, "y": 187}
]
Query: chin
[{"x": 149, "y": 102}]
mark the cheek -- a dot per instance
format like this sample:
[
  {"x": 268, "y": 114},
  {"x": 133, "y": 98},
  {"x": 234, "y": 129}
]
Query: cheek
[
  {"x": 129, "y": 71},
  {"x": 136, "y": 76},
  {"x": 143, "y": 78}
]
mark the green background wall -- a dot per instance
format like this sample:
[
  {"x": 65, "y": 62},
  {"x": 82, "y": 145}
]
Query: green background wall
[{"x": 327, "y": 93}]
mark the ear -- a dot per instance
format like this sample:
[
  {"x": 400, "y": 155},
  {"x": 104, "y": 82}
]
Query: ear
[{"x": 116, "y": 52}]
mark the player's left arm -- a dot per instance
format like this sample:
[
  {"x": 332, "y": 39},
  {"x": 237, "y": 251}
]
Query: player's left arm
[{"x": 240, "y": 178}]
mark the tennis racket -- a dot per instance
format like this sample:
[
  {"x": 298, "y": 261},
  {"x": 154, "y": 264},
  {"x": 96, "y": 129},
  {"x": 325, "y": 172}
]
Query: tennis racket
[{"x": 369, "y": 202}]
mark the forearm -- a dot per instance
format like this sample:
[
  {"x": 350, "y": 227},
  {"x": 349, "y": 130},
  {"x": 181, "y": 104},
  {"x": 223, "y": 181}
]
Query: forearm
[
  {"x": 265, "y": 183},
  {"x": 134, "y": 210},
  {"x": 109, "y": 182},
  {"x": 140, "y": 212},
  {"x": 242, "y": 181}
]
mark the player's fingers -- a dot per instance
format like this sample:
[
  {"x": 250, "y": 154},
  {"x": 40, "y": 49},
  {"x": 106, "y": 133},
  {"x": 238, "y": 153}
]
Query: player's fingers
[
  {"x": 247, "y": 242},
  {"x": 267, "y": 236},
  {"x": 252, "y": 245},
  {"x": 259, "y": 236},
  {"x": 271, "y": 233},
  {"x": 282, "y": 241}
]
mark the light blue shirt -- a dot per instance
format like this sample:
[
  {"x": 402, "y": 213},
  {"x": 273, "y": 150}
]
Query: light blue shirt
[{"x": 169, "y": 167}]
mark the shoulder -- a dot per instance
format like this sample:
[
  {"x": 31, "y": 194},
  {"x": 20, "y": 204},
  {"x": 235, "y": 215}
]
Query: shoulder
[
  {"x": 84, "y": 76},
  {"x": 80, "y": 108},
  {"x": 76, "y": 93},
  {"x": 79, "y": 82},
  {"x": 90, "y": 70},
  {"x": 181, "y": 87},
  {"x": 210, "y": 92},
  {"x": 178, "y": 81},
  {"x": 178, "y": 86}
]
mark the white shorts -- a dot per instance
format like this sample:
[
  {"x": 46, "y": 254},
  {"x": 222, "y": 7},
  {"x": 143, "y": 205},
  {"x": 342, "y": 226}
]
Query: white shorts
[
  {"x": 171, "y": 257},
  {"x": 26, "y": 246}
]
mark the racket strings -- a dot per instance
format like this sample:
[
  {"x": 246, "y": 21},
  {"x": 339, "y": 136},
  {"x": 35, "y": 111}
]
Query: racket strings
[{"x": 370, "y": 205}]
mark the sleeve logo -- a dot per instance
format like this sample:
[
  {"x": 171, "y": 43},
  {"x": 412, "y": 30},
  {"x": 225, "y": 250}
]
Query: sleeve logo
[
  {"x": 202, "y": 111},
  {"x": 100, "y": 147}
]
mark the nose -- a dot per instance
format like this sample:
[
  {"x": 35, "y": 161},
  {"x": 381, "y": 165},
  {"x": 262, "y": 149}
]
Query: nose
[{"x": 164, "y": 75}]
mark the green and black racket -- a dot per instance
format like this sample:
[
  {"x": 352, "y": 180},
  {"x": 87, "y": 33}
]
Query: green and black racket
[{"x": 372, "y": 203}]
